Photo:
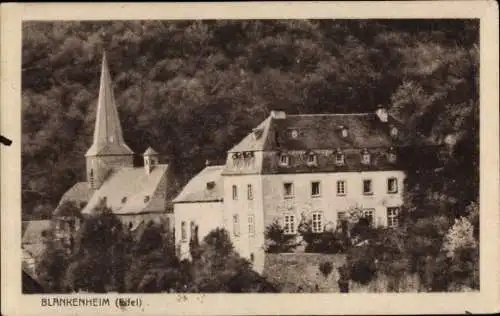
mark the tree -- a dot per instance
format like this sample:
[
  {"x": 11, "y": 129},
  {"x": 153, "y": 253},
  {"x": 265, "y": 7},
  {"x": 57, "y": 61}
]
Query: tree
[
  {"x": 52, "y": 264},
  {"x": 101, "y": 236},
  {"x": 276, "y": 239},
  {"x": 220, "y": 269}
]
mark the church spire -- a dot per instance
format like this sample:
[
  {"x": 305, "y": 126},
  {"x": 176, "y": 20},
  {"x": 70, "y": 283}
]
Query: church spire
[{"x": 108, "y": 135}]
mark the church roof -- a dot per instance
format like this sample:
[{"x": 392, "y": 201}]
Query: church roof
[
  {"x": 79, "y": 193},
  {"x": 206, "y": 186},
  {"x": 108, "y": 135},
  {"x": 150, "y": 151},
  {"x": 131, "y": 190}
]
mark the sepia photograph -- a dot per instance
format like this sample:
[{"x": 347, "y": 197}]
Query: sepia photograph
[{"x": 249, "y": 155}]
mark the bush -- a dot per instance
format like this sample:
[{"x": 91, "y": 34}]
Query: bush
[
  {"x": 361, "y": 264},
  {"x": 326, "y": 268},
  {"x": 277, "y": 240}
]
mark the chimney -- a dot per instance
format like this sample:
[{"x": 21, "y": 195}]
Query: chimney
[
  {"x": 382, "y": 114},
  {"x": 278, "y": 115}
]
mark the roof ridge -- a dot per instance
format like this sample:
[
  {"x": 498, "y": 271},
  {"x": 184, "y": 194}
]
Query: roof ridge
[{"x": 333, "y": 114}]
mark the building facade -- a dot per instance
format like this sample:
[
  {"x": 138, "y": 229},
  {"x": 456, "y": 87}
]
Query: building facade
[
  {"x": 136, "y": 194},
  {"x": 315, "y": 168}
]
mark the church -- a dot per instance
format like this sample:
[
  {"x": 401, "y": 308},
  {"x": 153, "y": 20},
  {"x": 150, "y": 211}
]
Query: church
[
  {"x": 138, "y": 195},
  {"x": 293, "y": 168}
]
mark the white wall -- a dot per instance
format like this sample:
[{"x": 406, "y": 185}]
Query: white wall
[
  {"x": 246, "y": 244},
  {"x": 207, "y": 215},
  {"x": 328, "y": 202}
]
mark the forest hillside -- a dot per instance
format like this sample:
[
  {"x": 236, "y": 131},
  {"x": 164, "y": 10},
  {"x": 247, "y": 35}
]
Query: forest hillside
[{"x": 192, "y": 89}]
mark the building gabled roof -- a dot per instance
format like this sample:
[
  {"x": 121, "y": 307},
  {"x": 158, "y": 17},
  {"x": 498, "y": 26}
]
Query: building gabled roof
[
  {"x": 108, "y": 135},
  {"x": 131, "y": 190},
  {"x": 206, "y": 186},
  {"x": 34, "y": 229},
  {"x": 32, "y": 240},
  {"x": 256, "y": 140},
  {"x": 80, "y": 193},
  {"x": 320, "y": 131}
]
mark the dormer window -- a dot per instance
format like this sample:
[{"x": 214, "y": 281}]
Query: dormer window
[
  {"x": 210, "y": 185},
  {"x": 391, "y": 155},
  {"x": 343, "y": 131},
  {"x": 312, "y": 159},
  {"x": 339, "y": 158},
  {"x": 293, "y": 133},
  {"x": 394, "y": 131},
  {"x": 257, "y": 133},
  {"x": 365, "y": 157},
  {"x": 284, "y": 160}
]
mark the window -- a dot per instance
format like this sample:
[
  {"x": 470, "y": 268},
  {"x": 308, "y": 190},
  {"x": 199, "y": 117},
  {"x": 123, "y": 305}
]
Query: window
[
  {"x": 339, "y": 159},
  {"x": 289, "y": 226},
  {"x": 192, "y": 229},
  {"x": 288, "y": 190},
  {"x": 249, "y": 192},
  {"x": 252, "y": 257},
  {"x": 394, "y": 131},
  {"x": 146, "y": 199},
  {"x": 367, "y": 187},
  {"x": 284, "y": 160},
  {"x": 124, "y": 199},
  {"x": 312, "y": 159},
  {"x": 91, "y": 179},
  {"x": 183, "y": 231},
  {"x": 251, "y": 225},
  {"x": 236, "y": 225},
  {"x": 317, "y": 222},
  {"x": 365, "y": 158},
  {"x": 392, "y": 216},
  {"x": 391, "y": 157},
  {"x": 235, "y": 192},
  {"x": 341, "y": 216},
  {"x": 368, "y": 215},
  {"x": 210, "y": 185},
  {"x": 344, "y": 132},
  {"x": 341, "y": 187},
  {"x": 315, "y": 189},
  {"x": 392, "y": 185}
]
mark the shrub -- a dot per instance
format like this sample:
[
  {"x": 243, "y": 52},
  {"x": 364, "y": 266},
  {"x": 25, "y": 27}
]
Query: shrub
[
  {"x": 277, "y": 240},
  {"x": 361, "y": 264},
  {"x": 326, "y": 268}
]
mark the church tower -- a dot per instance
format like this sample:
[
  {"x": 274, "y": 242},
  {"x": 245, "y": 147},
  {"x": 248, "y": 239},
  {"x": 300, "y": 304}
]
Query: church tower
[{"x": 108, "y": 150}]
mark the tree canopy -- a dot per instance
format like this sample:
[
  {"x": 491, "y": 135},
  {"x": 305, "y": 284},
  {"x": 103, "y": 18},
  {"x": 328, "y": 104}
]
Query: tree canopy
[{"x": 173, "y": 79}]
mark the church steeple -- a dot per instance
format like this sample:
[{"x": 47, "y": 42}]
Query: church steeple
[
  {"x": 109, "y": 150},
  {"x": 108, "y": 135}
]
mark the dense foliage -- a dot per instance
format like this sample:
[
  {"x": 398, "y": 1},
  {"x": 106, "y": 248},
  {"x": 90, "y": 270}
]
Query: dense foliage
[
  {"x": 108, "y": 257},
  {"x": 175, "y": 79}
]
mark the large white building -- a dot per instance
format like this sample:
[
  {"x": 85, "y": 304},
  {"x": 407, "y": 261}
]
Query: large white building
[{"x": 295, "y": 167}]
